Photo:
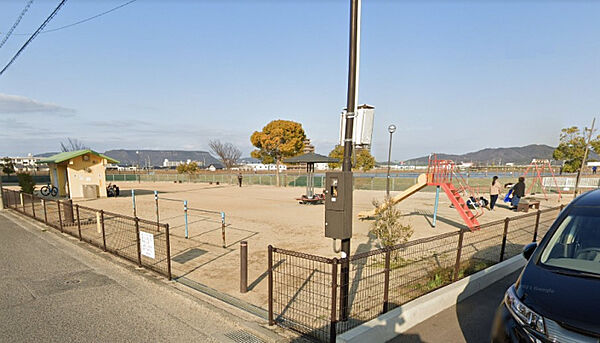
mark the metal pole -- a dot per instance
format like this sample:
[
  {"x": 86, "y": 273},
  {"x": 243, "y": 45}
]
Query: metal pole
[
  {"x": 347, "y": 162},
  {"x": 137, "y": 241},
  {"x": 386, "y": 281},
  {"x": 185, "y": 210},
  {"x": 133, "y": 201},
  {"x": 168, "y": 237},
  {"x": 45, "y": 212},
  {"x": 223, "y": 228},
  {"x": 243, "y": 267},
  {"x": 503, "y": 248},
  {"x": 333, "y": 320},
  {"x": 587, "y": 148},
  {"x": 78, "y": 221},
  {"x": 435, "y": 208},
  {"x": 32, "y": 199},
  {"x": 103, "y": 232},
  {"x": 157, "y": 217},
  {"x": 458, "y": 254},
  {"x": 1, "y": 194},
  {"x": 537, "y": 225},
  {"x": 270, "y": 284},
  {"x": 387, "y": 184},
  {"x": 59, "y": 215}
]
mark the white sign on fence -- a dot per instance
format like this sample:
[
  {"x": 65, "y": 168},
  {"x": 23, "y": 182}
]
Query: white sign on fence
[{"x": 147, "y": 244}]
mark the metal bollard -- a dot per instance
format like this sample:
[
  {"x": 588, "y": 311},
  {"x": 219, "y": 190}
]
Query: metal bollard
[
  {"x": 185, "y": 210},
  {"x": 243, "y": 267}
]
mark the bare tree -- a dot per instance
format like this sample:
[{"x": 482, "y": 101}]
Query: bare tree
[
  {"x": 228, "y": 153},
  {"x": 72, "y": 144}
]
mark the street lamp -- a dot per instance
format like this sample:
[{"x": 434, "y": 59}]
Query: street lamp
[{"x": 391, "y": 130}]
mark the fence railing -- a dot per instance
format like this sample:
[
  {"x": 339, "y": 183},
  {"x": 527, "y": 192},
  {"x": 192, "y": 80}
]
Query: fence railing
[
  {"x": 143, "y": 242},
  {"x": 304, "y": 290}
]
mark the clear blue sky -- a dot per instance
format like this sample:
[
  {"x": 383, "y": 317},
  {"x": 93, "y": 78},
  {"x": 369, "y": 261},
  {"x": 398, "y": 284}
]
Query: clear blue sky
[{"x": 453, "y": 76}]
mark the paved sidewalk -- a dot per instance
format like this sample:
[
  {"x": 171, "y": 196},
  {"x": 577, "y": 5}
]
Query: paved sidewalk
[
  {"x": 468, "y": 321},
  {"x": 54, "y": 288}
]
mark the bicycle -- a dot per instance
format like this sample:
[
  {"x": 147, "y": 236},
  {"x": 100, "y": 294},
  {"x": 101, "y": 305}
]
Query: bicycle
[{"x": 49, "y": 190}]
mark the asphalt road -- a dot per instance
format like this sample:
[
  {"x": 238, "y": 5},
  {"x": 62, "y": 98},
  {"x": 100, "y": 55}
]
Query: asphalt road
[
  {"x": 55, "y": 289},
  {"x": 468, "y": 321}
]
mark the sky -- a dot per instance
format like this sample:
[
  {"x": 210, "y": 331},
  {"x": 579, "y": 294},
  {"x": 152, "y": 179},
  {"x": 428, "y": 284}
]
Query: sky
[{"x": 453, "y": 76}]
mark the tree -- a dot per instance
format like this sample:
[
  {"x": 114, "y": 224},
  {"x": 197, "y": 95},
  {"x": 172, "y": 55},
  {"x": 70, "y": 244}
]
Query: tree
[
  {"x": 364, "y": 160},
  {"x": 72, "y": 144},
  {"x": 387, "y": 226},
  {"x": 188, "y": 168},
  {"x": 228, "y": 153},
  {"x": 279, "y": 139},
  {"x": 571, "y": 147},
  {"x": 8, "y": 167}
]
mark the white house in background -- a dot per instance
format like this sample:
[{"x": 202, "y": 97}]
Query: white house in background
[
  {"x": 27, "y": 163},
  {"x": 263, "y": 167},
  {"x": 593, "y": 164},
  {"x": 321, "y": 166}
]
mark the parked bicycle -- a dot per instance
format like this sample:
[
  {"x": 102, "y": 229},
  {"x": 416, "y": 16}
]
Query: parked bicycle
[{"x": 49, "y": 189}]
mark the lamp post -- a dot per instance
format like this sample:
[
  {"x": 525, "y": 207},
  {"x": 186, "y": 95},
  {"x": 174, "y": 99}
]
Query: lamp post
[{"x": 391, "y": 130}]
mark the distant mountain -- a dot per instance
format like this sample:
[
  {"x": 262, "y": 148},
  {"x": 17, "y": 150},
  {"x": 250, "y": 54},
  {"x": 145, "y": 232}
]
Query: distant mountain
[
  {"x": 248, "y": 160},
  {"x": 517, "y": 155},
  {"x": 46, "y": 154},
  {"x": 156, "y": 157}
]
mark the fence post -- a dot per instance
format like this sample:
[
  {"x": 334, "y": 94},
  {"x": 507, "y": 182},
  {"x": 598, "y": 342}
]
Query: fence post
[
  {"x": 333, "y": 320},
  {"x": 103, "y": 231},
  {"x": 562, "y": 206},
  {"x": 78, "y": 221},
  {"x": 22, "y": 201},
  {"x": 506, "y": 221},
  {"x": 33, "y": 206},
  {"x": 458, "y": 254},
  {"x": 243, "y": 267},
  {"x": 223, "y": 228},
  {"x": 168, "y": 250},
  {"x": 185, "y": 215},
  {"x": 157, "y": 218},
  {"x": 270, "y": 284},
  {"x": 137, "y": 241},
  {"x": 59, "y": 215},
  {"x": 1, "y": 195},
  {"x": 45, "y": 213},
  {"x": 537, "y": 225},
  {"x": 386, "y": 282}
]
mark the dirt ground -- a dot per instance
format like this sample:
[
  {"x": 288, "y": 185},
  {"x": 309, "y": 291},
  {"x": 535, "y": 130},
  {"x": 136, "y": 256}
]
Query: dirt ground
[{"x": 263, "y": 215}]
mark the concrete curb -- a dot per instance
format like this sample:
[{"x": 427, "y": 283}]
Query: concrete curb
[{"x": 400, "y": 319}]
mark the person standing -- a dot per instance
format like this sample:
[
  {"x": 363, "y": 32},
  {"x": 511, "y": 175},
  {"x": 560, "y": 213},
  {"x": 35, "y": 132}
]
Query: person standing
[
  {"x": 594, "y": 168},
  {"x": 494, "y": 192},
  {"x": 518, "y": 192},
  {"x": 240, "y": 177}
]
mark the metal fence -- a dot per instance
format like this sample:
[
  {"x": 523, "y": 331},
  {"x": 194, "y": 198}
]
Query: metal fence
[
  {"x": 143, "y": 242},
  {"x": 304, "y": 290}
]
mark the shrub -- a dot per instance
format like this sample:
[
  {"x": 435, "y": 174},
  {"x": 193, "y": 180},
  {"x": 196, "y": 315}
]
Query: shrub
[
  {"x": 26, "y": 182},
  {"x": 387, "y": 226}
]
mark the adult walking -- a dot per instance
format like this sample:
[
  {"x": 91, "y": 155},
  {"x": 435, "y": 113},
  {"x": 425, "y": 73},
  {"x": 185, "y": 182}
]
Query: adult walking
[
  {"x": 240, "y": 177},
  {"x": 518, "y": 192},
  {"x": 494, "y": 192}
]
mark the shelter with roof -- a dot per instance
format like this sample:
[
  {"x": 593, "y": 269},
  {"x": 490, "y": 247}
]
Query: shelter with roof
[
  {"x": 310, "y": 159},
  {"x": 79, "y": 174}
]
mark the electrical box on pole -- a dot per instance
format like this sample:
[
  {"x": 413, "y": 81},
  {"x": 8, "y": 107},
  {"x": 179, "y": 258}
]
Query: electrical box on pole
[{"x": 338, "y": 205}]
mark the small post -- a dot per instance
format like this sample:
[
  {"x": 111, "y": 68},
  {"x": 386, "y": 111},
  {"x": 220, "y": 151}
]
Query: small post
[
  {"x": 334, "y": 286},
  {"x": 386, "y": 282},
  {"x": 270, "y": 285},
  {"x": 562, "y": 206},
  {"x": 137, "y": 240},
  {"x": 1, "y": 195},
  {"x": 78, "y": 221},
  {"x": 103, "y": 231},
  {"x": 168, "y": 251},
  {"x": 45, "y": 213},
  {"x": 243, "y": 267},
  {"x": 458, "y": 254},
  {"x": 223, "y": 228},
  {"x": 503, "y": 248},
  {"x": 133, "y": 201},
  {"x": 157, "y": 217},
  {"x": 59, "y": 216},
  {"x": 22, "y": 201},
  {"x": 185, "y": 211},
  {"x": 33, "y": 206},
  {"x": 435, "y": 207},
  {"x": 537, "y": 225}
]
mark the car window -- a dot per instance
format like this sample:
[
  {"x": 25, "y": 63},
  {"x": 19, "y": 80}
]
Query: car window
[{"x": 575, "y": 245}]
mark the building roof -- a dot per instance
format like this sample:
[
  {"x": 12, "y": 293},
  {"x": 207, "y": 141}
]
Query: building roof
[
  {"x": 311, "y": 157},
  {"x": 68, "y": 155}
]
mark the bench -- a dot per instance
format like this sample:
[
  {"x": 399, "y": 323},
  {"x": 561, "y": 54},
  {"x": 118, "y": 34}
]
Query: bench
[{"x": 525, "y": 205}]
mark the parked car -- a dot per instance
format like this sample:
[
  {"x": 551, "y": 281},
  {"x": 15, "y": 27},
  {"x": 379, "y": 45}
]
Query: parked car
[{"x": 557, "y": 296}]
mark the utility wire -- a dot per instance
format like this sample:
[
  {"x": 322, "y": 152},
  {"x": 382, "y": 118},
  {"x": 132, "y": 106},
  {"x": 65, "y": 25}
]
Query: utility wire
[
  {"x": 83, "y": 20},
  {"x": 34, "y": 35},
  {"x": 16, "y": 23}
]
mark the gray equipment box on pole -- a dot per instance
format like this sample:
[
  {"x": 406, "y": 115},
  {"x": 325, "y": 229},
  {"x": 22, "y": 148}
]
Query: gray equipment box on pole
[{"x": 338, "y": 205}]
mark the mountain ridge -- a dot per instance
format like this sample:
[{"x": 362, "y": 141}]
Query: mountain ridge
[{"x": 517, "y": 155}]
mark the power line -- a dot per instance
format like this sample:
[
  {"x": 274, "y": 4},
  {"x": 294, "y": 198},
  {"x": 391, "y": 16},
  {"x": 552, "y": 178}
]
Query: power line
[
  {"x": 83, "y": 20},
  {"x": 34, "y": 35},
  {"x": 16, "y": 23}
]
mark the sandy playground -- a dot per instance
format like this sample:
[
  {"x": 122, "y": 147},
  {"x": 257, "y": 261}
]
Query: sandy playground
[{"x": 263, "y": 215}]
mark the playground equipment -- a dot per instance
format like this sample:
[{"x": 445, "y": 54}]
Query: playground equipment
[
  {"x": 442, "y": 174},
  {"x": 310, "y": 159},
  {"x": 539, "y": 167}
]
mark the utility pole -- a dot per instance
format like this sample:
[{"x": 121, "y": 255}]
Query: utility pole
[
  {"x": 585, "y": 154},
  {"x": 352, "y": 99}
]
